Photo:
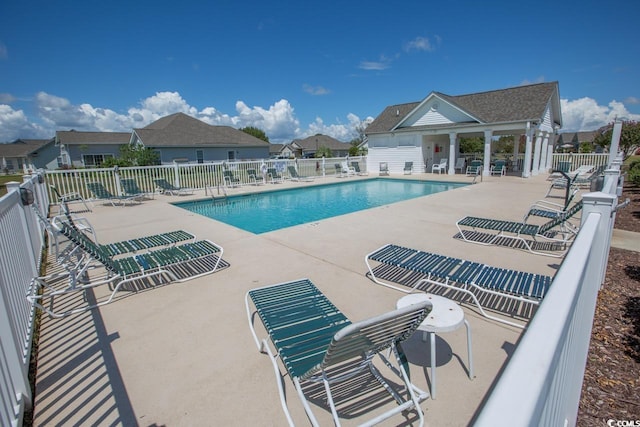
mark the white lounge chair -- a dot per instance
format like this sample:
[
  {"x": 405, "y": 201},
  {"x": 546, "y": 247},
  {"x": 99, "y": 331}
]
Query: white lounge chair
[
  {"x": 384, "y": 168},
  {"x": 442, "y": 166}
]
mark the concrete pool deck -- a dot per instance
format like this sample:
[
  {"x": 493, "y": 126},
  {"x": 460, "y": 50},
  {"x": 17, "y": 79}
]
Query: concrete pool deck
[{"x": 182, "y": 354}]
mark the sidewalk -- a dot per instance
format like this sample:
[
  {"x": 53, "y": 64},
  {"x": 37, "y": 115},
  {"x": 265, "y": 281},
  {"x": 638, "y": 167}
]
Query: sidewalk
[{"x": 623, "y": 239}]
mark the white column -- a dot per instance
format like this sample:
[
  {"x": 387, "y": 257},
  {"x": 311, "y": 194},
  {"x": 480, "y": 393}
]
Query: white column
[
  {"x": 487, "y": 152},
  {"x": 526, "y": 166},
  {"x": 516, "y": 152},
  {"x": 453, "y": 137},
  {"x": 536, "y": 154},
  {"x": 543, "y": 153},
  {"x": 549, "y": 157}
]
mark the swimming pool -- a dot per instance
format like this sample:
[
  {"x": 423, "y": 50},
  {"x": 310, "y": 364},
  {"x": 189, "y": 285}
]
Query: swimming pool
[{"x": 272, "y": 210}]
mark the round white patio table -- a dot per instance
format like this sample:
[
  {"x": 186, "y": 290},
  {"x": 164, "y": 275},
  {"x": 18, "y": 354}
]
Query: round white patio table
[{"x": 445, "y": 316}]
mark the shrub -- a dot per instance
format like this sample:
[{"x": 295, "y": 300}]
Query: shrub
[{"x": 634, "y": 172}]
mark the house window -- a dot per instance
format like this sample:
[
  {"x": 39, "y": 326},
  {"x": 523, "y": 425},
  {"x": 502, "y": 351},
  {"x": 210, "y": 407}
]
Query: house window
[
  {"x": 9, "y": 163},
  {"x": 231, "y": 155},
  {"x": 94, "y": 160},
  {"x": 200, "y": 156}
]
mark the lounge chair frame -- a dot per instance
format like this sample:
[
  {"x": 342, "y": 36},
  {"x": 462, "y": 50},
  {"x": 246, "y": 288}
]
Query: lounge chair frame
[
  {"x": 556, "y": 233},
  {"x": 254, "y": 178},
  {"x": 120, "y": 271},
  {"x": 167, "y": 188},
  {"x": 384, "y": 168},
  {"x": 310, "y": 336},
  {"x": 101, "y": 193},
  {"x": 408, "y": 168},
  {"x": 293, "y": 173},
  {"x": 130, "y": 188},
  {"x": 439, "y": 167},
  {"x": 274, "y": 176},
  {"x": 473, "y": 279}
]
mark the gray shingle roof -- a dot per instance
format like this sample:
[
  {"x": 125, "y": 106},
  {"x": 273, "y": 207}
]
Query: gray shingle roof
[
  {"x": 22, "y": 147},
  {"x": 316, "y": 141},
  {"x": 520, "y": 103},
  {"x": 73, "y": 137},
  {"x": 180, "y": 129}
]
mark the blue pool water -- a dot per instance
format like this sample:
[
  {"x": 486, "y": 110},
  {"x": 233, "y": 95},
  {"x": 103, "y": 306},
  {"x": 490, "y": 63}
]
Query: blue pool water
[{"x": 273, "y": 210}]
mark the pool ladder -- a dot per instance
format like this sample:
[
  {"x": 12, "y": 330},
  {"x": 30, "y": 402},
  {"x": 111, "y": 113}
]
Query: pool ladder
[{"x": 213, "y": 196}]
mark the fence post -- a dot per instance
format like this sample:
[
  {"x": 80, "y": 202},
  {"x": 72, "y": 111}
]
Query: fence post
[
  {"x": 603, "y": 204},
  {"x": 176, "y": 174}
]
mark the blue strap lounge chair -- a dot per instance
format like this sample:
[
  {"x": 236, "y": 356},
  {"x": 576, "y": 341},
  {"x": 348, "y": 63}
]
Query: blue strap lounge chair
[
  {"x": 408, "y": 168},
  {"x": 130, "y": 188},
  {"x": 293, "y": 173},
  {"x": 171, "y": 264},
  {"x": 474, "y": 168},
  {"x": 356, "y": 167},
  {"x": 499, "y": 168},
  {"x": 100, "y": 192},
  {"x": 230, "y": 179},
  {"x": 550, "y": 239},
  {"x": 318, "y": 344},
  {"x": 273, "y": 175},
  {"x": 254, "y": 178},
  {"x": 475, "y": 280},
  {"x": 167, "y": 188}
]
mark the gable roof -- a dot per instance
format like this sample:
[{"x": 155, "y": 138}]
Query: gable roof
[
  {"x": 22, "y": 147},
  {"x": 74, "y": 137},
  {"x": 576, "y": 137},
  {"x": 517, "y": 104},
  {"x": 316, "y": 141},
  {"x": 180, "y": 129}
]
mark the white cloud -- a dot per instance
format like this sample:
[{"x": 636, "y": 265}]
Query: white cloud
[
  {"x": 56, "y": 113},
  {"x": 585, "y": 114},
  {"x": 14, "y": 124},
  {"x": 279, "y": 120},
  {"x": 315, "y": 90},
  {"x": 632, "y": 100},
  {"x": 381, "y": 64},
  {"x": 421, "y": 44}
]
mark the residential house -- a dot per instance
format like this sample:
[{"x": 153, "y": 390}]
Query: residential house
[
  {"x": 24, "y": 155},
  {"x": 276, "y": 150},
  {"x": 307, "y": 147},
  {"x": 176, "y": 138},
  {"x": 182, "y": 138},
  {"x": 427, "y": 131},
  {"x": 88, "y": 149},
  {"x": 570, "y": 141}
]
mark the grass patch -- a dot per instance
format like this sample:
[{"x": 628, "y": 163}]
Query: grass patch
[{"x": 7, "y": 178}]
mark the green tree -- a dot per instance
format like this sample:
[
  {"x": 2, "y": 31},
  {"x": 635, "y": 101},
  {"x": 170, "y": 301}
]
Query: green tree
[
  {"x": 131, "y": 155},
  {"x": 504, "y": 144},
  {"x": 323, "y": 152},
  {"x": 472, "y": 145},
  {"x": 254, "y": 131},
  {"x": 629, "y": 137}
]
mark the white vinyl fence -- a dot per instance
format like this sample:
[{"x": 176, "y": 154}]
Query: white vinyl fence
[
  {"x": 542, "y": 381},
  {"x": 206, "y": 176},
  {"x": 21, "y": 244},
  {"x": 540, "y": 385}
]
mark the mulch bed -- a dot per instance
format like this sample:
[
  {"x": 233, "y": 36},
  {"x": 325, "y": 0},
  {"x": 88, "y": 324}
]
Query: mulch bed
[{"x": 611, "y": 386}]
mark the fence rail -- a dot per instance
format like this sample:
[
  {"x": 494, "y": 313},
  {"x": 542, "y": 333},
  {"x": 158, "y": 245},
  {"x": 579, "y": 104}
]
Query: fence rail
[
  {"x": 197, "y": 176},
  {"x": 546, "y": 369},
  {"x": 21, "y": 244},
  {"x": 542, "y": 382}
]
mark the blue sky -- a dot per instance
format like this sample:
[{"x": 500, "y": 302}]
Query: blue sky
[{"x": 295, "y": 69}]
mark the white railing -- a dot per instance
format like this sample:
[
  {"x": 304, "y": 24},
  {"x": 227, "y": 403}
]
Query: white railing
[
  {"x": 198, "y": 176},
  {"x": 21, "y": 243},
  {"x": 542, "y": 381},
  {"x": 540, "y": 385},
  {"x": 579, "y": 159}
]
